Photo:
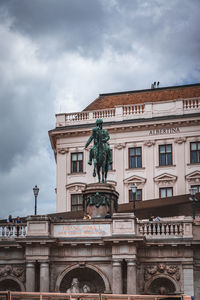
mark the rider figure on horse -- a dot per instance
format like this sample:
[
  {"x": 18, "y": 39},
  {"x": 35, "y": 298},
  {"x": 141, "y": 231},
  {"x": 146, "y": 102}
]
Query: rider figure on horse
[{"x": 99, "y": 135}]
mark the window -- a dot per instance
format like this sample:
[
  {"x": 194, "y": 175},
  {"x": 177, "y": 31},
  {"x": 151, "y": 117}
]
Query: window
[
  {"x": 165, "y": 155},
  {"x": 135, "y": 157},
  {"x": 197, "y": 187},
  {"x": 138, "y": 195},
  {"x": 76, "y": 202},
  {"x": 195, "y": 152},
  {"x": 166, "y": 192},
  {"x": 77, "y": 162},
  {"x": 110, "y": 166}
]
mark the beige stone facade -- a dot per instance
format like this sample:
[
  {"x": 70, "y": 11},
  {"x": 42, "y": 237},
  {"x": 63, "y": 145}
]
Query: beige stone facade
[{"x": 118, "y": 255}]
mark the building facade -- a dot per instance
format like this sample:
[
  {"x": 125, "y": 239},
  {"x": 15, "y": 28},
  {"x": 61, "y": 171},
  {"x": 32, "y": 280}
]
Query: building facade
[
  {"x": 155, "y": 143},
  {"x": 154, "y": 139}
]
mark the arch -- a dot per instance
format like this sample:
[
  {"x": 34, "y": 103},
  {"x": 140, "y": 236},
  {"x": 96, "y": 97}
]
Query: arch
[
  {"x": 86, "y": 266},
  {"x": 156, "y": 282},
  {"x": 11, "y": 283}
]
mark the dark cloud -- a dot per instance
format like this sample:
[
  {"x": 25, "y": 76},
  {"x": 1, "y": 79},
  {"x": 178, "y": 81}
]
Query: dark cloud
[{"x": 59, "y": 25}]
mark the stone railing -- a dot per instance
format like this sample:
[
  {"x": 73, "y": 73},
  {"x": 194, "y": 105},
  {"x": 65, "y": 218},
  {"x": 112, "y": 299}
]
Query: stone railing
[
  {"x": 166, "y": 229},
  {"x": 193, "y": 103},
  {"x": 13, "y": 230},
  {"x": 135, "y": 111}
]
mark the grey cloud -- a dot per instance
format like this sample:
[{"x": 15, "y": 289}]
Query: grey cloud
[{"x": 58, "y": 25}]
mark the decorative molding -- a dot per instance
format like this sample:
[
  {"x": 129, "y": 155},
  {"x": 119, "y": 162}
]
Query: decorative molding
[
  {"x": 13, "y": 270},
  {"x": 165, "y": 179},
  {"x": 76, "y": 187},
  {"x": 149, "y": 143},
  {"x": 135, "y": 179},
  {"x": 63, "y": 150},
  {"x": 120, "y": 146},
  {"x": 193, "y": 177},
  {"x": 180, "y": 140},
  {"x": 171, "y": 270}
]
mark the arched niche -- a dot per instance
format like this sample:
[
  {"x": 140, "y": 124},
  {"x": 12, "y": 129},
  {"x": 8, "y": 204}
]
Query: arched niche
[
  {"x": 162, "y": 285},
  {"x": 12, "y": 284},
  {"x": 87, "y": 274}
]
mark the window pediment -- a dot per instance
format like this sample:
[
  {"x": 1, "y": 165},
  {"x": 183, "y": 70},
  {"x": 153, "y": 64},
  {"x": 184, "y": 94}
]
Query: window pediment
[
  {"x": 135, "y": 179},
  {"x": 77, "y": 186},
  {"x": 193, "y": 177},
  {"x": 165, "y": 179}
]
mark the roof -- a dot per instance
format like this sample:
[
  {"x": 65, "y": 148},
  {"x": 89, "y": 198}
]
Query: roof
[{"x": 111, "y": 100}]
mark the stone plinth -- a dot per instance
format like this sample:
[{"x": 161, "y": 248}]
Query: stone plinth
[{"x": 100, "y": 200}]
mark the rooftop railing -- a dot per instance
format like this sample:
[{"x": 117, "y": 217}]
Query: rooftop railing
[{"x": 132, "y": 111}]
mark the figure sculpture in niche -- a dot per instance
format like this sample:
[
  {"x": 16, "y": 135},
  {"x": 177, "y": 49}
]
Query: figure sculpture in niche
[
  {"x": 74, "y": 286},
  {"x": 100, "y": 152}
]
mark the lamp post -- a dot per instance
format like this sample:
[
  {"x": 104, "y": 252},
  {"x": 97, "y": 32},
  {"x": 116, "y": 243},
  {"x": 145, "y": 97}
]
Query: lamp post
[
  {"x": 134, "y": 190},
  {"x": 35, "y": 192},
  {"x": 194, "y": 200}
]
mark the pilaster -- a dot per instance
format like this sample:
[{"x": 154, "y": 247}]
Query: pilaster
[
  {"x": 117, "y": 277},
  {"x": 44, "y": 277},
  {"x": 131, "y": 277},
  {"x": 30, "y": 276}
]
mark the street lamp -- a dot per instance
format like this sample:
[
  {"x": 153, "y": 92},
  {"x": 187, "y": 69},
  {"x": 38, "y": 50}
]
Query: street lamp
[
  {"x": 134, "y": 190},
  {"x": 35, "y": 192},
  {"x": 194, "y": 200}
]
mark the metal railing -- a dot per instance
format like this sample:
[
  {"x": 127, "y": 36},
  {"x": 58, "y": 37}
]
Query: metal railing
[{"x": 65, "y": 296}]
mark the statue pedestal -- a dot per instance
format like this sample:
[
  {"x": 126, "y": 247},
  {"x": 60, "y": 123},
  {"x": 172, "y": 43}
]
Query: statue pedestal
[{"x": 100, "y": 200}]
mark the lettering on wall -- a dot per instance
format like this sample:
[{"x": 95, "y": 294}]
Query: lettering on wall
[
  {"x": 87, "y": 230},
  {"x": 164, "y": 131}
]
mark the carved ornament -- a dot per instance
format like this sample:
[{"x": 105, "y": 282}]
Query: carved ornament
[
  {"x": 63, "y": 150},
  {"x": 180, "y": 140},
  {"x": 149, "y": 143},
  {"x": 15, "y": 271},
  {"x": 120, "y": 146},
  {"x": 161, "y": 268}
]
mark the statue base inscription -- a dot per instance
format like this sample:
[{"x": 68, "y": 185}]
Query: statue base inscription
[{"x": 100, "y": 200}]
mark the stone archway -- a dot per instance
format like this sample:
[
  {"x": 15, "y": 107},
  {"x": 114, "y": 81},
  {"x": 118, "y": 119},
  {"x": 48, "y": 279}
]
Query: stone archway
[
  {"x": 89, "y": 275},
  {"x": 161, "y": 285},
  {"x": 12, "y": 284}
]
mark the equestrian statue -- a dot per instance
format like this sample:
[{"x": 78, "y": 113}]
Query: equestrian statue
[{"x": 100, "y": 152}]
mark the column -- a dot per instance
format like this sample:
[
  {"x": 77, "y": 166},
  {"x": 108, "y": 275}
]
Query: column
[
  {"x": 117, "y": 277},
  {"x": 30, "y": 277},
  {"x": 44, "y": 277},
  {"x": 131, "y": 277}
]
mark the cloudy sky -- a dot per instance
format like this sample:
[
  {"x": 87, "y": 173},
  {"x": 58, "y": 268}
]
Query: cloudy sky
[{"x": 58, "y": 55}]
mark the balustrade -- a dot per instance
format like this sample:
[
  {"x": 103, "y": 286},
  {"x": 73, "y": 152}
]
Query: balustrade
[
  {"x": 133, "y": 109},
  {"x": 191, "y": 103},
  {"x": 161, "y": 229},
  {"x": 13, "y": 230}
]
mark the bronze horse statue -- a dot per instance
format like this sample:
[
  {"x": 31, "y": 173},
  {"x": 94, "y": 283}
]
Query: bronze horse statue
[{"x": 100, "y": 152}]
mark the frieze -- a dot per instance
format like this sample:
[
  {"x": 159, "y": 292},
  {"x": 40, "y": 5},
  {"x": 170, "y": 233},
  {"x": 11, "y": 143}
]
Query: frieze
[
  {"x": 16, "y": 271},
  {"x": 161, "y": 268}
]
